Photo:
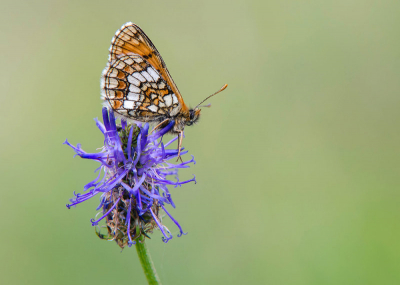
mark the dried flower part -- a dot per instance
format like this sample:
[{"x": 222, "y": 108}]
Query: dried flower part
[
  {"x": 117, "y": 228},
  {"x": 132, "y": 181}
]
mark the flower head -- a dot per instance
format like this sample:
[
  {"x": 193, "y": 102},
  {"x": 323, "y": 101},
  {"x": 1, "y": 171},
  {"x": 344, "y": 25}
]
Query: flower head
[{"x": 132, "y": 181}]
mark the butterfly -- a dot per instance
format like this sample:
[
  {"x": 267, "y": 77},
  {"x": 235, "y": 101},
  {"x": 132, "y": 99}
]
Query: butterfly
[{"x": 137, "y": 85}]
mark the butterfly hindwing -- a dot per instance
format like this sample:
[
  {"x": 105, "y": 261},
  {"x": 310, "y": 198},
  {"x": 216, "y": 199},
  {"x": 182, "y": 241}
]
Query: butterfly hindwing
[{"x": 133, "y": 88}]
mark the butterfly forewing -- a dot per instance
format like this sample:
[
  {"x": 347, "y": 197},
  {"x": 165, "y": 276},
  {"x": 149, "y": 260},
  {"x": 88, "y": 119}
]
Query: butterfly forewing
[
  {"x": 130, "y": 39},
  {"x": 133, "y": 88}
]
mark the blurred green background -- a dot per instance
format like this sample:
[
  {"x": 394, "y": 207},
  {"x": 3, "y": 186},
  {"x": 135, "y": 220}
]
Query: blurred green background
[{"x": 298, "y": 160}]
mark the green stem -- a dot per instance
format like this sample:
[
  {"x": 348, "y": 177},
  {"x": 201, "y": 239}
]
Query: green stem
[{"x": 147, "y": 263}]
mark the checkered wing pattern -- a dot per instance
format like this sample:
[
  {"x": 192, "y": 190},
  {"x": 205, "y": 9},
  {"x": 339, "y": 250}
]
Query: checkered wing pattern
[
  {"x": 134, "y": 88},
  {"x": 135, "y": 65}
]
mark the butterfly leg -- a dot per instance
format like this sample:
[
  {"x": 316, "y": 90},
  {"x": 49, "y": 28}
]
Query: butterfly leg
[
  {"x": 180, "y": 138},
  {"x": 156, "y": 127}
]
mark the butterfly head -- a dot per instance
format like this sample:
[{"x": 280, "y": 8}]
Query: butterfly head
[{"x": 194, "y": 115}]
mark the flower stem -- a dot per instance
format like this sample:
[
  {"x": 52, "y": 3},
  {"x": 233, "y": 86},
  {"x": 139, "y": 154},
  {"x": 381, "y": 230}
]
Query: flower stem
[{"x": 147, "y": 263}]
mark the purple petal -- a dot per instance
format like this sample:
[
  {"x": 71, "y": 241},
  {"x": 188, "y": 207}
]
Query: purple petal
[
  {"x": 95, "y": 223},
  {"x": 164, "y": 130}
]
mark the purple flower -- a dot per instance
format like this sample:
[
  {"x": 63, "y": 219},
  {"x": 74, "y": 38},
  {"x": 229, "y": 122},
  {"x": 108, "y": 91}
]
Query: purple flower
[{"x": 132, "y": 181}]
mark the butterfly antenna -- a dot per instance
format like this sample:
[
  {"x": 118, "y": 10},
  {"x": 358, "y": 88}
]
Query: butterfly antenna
[
  {"x": 220, "y": 90},
  {"x": 205, "y": 106}
]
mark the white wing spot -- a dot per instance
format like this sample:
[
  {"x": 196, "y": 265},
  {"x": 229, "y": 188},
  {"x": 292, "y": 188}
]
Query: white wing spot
[
  {"x": 112, "y": 83},
  {"x": 113, "y": 73},
  {"x": 152, "y": 108},
  {"x": 133, "y": 80},
  {"x": 175, "y": 111},
  {"x": 174, "y": 99},
  {"x": 129, "y": 104},
  {"x": 120, "y": 65},
  {"x": 153, "y": 73},
  {"x": 139, "y": 76},
  {"x": 133, "y": 88},
  {"x": 129, "y": 61},
  {"x": 110, "y": 94},
  {"x": 168, "y": 100},
  {"x": 147, "y": 76},
  {"x": 133, "y": 96}
]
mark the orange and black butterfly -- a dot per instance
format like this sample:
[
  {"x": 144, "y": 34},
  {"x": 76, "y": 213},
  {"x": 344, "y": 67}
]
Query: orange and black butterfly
[{"x": 137, "y": 86}]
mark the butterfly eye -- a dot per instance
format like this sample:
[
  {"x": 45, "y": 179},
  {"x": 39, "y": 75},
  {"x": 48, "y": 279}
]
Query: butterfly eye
[{"x": 191, "y": 114}]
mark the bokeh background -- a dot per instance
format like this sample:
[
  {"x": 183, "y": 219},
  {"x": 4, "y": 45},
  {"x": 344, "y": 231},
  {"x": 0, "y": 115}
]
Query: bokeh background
[{"x": 298, "y": 160}]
